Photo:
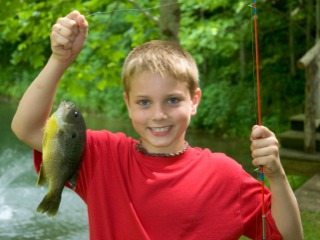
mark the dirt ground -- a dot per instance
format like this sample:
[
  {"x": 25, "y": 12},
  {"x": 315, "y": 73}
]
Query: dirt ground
[{"x": 308, "y": 195}]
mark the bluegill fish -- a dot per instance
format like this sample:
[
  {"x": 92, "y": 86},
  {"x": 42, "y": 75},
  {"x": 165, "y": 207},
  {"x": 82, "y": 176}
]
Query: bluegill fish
[{"x": 62, "y": 148}]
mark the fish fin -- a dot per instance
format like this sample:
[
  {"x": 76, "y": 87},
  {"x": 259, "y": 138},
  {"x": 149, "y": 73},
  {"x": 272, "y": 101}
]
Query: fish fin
[
  {"x": 50, "y": 204},
  {"x": 73, "y": 180},
  {"x": 42, "y": 179},
  {"x": 48, "y": 130}
]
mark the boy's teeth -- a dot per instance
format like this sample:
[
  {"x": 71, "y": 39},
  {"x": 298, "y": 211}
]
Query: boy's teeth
[{"x": 163, "y": 129}]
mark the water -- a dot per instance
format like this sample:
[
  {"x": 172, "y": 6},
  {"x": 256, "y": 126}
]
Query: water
[{"x": 19, "y": 197}]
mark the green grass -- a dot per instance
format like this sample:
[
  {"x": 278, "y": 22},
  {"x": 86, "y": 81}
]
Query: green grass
[
  {"x": 311, "y": 225},
  {"x": 310, "y": 220}
]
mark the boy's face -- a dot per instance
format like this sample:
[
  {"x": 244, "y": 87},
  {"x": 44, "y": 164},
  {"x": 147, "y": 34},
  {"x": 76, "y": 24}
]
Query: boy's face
[{"x": 160, "y": 110}]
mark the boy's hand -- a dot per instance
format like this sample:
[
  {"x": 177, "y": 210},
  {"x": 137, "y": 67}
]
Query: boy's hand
[
  {"x": 265, "y": 151},
  {"x": 68, "y": 37}
]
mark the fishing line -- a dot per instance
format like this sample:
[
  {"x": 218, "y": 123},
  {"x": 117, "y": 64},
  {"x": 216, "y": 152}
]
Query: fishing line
[
  {"x": 129, "y": 9},
  {"x": 253, "y": 69}
]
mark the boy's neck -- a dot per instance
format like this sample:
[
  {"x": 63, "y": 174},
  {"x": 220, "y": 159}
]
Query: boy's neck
[{"x": 140, "y": 148}]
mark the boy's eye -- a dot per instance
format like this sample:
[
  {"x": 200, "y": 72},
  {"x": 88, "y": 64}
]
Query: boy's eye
[
  {"x": 144, "y": 102},
  {"x": 173, "y": 100}
]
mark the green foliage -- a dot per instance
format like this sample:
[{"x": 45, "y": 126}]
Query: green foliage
[
  {"x": 14, "y": 81},
  {"x": 225, "y": 109},
  {"x": 28, "y": 29},
  {"x": 218, "y": 34}
]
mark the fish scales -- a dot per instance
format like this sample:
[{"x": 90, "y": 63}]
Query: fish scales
[{"x": 63, "y": 145}]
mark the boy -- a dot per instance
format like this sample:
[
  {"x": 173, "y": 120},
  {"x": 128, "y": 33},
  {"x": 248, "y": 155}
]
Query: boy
[{"x": 159, "y": 187}]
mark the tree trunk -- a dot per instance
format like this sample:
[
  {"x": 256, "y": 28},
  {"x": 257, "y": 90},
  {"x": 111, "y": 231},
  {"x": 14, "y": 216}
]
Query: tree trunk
[
  {"x": 317, "y": 89},
  {"x": 169, "y": 21},
  {"x": 310, "y": 107}
]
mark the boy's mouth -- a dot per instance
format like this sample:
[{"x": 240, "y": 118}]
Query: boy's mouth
[{"x": 160, "y": 131}]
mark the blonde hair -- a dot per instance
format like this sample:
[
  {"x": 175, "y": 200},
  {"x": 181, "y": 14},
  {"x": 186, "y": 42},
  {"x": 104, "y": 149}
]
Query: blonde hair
[{"x": 164, "y": 58}]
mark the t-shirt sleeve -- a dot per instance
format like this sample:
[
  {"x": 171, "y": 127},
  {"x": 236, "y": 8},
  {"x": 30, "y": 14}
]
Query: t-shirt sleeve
[
  {"x": 96, "y": 142},
  {"x": 37, "y": 160},
  {"x": 251, "y": 209}
]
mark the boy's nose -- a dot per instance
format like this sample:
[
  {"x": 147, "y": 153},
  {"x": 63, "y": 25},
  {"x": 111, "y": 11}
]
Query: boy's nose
[{"x": 159, "y": 112}]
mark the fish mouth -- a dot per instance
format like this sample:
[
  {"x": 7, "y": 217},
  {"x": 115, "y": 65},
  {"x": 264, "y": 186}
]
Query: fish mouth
[
  {"x": 67, "y": 105},
  {"x": 64, "y": 109}
]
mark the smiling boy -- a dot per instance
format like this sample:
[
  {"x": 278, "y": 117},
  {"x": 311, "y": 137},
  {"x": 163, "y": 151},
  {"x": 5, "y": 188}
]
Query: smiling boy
[
  {"x": 161, "y": 96},
  {"x": 159, "y": 187}
]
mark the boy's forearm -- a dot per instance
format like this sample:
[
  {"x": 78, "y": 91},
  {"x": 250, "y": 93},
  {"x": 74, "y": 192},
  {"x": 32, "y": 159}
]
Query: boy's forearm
[
  {"x": 35, "y": 105},
  {"x": 284, "y": 209}
]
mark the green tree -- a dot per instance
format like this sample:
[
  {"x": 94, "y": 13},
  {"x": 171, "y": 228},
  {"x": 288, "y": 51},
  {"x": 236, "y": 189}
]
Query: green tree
[{"x": 217, "y": 33}]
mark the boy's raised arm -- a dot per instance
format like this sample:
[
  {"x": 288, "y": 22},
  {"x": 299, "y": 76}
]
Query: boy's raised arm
[
  {"x": 284, "y": 206},
  {"x": 67, "y": 39}
]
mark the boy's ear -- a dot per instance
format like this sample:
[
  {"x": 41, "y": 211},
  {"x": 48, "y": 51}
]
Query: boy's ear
[
  {"x": 126, "y": 99},
  {"x": 195, "y": 101}
]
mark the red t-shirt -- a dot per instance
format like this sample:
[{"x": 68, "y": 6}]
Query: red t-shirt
[{"x": 197, "y": 195}]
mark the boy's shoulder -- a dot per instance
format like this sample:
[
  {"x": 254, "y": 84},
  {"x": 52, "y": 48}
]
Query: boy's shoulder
[
  {"x": 218, "y": 160},
  {"x": 212, "y": 155},
  {"x": 99, "y": 135},
  {"x": 102, "y": 139}
]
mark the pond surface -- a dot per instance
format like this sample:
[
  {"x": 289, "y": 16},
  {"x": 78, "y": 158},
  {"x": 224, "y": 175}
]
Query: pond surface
[{"x": 19, "y": 197}]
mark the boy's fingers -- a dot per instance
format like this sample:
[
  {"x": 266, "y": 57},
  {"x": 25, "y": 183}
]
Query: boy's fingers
[
  {"x": 73, "y": 15},
  {"x": 270, "y": 150},
  {"x": 67, "y": 24},
  {"x": 79, "y": 19},
  {"x": 260, "y": 132},
  {"x": 264, "y": 142},
  {"x": 83, "y": 26},
  {"x": 61, "y": 36},
  {"x": 66, "y": 29}
]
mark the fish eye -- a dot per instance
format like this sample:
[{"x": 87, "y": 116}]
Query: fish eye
[{"x": 76, "y": 114}]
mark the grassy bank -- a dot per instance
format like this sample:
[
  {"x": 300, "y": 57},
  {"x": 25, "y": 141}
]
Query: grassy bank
[
  {"x": 310, "y": 220},
  {"x": 310, "y": 223}
]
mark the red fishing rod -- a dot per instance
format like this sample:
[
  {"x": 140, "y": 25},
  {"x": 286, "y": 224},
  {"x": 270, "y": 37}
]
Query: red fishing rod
[{"x": 255, "y": 20}]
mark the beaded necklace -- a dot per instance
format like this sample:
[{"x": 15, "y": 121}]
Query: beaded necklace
[{"x": 141, "y": 149}]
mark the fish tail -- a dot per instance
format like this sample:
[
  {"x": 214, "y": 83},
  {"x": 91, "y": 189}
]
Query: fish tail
[{"x": 50, "y": 204}]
